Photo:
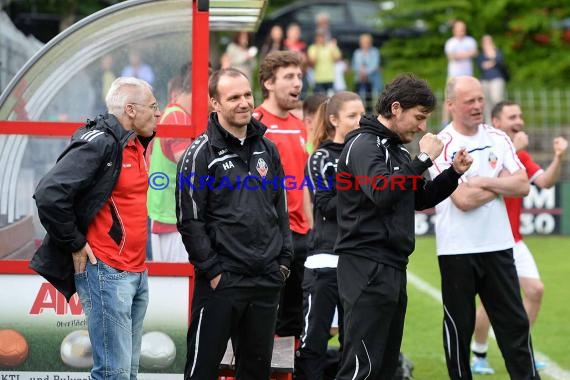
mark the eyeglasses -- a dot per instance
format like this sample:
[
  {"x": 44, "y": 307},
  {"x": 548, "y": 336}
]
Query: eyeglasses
[{"x": 152, "y": 106}]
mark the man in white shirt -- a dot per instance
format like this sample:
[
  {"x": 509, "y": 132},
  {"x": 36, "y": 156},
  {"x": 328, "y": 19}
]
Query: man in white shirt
[
  {"x": 474, "y": 239},
  {"x": 460, "y": 50}
]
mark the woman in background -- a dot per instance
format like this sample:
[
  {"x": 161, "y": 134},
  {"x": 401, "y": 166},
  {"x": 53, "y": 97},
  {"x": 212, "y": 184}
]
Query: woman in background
[
  {"x": 240, "y": 55},
  {"x": 273, "y": 42},
  {"x": 492, "y": 65},
  {"x": 367, "y": 70}
]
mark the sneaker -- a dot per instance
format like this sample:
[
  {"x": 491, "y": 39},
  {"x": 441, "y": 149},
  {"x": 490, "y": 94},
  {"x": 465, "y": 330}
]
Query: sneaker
[
  {"x": 481, "y": 366},
  {"x": 540, "y": 365}
]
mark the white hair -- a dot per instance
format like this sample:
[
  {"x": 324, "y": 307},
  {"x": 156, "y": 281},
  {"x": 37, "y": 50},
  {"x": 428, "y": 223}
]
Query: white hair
[{"x": 125, "y": 90}]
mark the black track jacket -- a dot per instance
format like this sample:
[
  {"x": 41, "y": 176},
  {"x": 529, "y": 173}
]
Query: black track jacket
[
  {"x": 378, "y": 224},
  {"x": 322, "y": 171},
  {"x": 70, "y": 195},
  {"x": 228, "y": 222}
]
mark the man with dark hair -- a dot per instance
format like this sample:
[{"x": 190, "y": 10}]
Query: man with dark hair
[
  {"x": 376, "y": 214},
  {"x": 280, "y": 78},
  {"x": 92, "y": 204},
  {"x": 474, "y": 239},
  {"x": 508, "y": 117},
  {"x": 235, "y": 227}
]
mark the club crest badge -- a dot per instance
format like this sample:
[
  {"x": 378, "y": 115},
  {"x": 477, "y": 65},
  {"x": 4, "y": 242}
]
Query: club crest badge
[
  {"x": 492, "y": 160},
  {"x": 262, "y": 167}
]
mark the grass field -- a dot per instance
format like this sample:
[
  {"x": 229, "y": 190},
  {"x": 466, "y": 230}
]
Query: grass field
[{"x": 551, "y": 333}]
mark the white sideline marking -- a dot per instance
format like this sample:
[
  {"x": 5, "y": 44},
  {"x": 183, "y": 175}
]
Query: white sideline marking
[{"x": 552, "y": 370}]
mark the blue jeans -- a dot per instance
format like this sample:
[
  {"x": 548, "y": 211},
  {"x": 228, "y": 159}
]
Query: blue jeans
[{"x": 115, "y": 304}]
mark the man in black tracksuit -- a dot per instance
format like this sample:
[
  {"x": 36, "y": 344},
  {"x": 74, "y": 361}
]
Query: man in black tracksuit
[
  {"x": 379, "y": 187},
  {"x": 232, "y": 215}
]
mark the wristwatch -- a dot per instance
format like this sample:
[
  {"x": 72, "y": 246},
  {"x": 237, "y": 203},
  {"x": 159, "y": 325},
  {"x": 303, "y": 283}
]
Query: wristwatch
[
  {"x": 285, "y": 272},
  {"x": 425, "y": 158}
]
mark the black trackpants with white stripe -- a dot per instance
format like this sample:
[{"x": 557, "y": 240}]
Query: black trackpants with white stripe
[
  {"x": 321, "y": 300},
  {"x": 247, "y": 314},
  {"x": 374, "y": 299},
  {"x": 493, "y": 276}
]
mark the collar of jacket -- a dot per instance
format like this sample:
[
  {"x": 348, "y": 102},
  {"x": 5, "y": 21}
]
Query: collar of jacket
[
  {"x": 221, "y": 138},
  {"x": 370, "y": 124},
  {"x": 112, "y": 124},
  {"x": 331, "y": 145}
]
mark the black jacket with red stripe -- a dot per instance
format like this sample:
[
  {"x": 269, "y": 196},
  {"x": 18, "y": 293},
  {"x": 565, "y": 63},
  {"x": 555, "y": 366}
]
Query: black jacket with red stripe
[{"x": 70, "y": 195}]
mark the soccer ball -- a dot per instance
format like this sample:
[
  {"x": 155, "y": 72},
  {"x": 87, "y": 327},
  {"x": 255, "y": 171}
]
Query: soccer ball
[
  {"x": 13, "y": 348},
  {"x": 76, "y": 350},
  {"x": 157, "y": 350}
]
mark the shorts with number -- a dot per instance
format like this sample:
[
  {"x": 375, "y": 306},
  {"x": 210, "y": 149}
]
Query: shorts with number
[{"x": 526, "y": 266}]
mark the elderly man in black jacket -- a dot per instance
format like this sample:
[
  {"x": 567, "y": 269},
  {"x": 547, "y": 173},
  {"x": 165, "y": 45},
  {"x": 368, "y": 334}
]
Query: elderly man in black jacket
[
  {"x": 232, "y": 214},
  {"x": 92, "y": 204},
  {"x": 381, "y": 187}
]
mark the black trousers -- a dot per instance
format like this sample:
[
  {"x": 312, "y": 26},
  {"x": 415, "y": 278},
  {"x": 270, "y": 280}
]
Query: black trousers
[
  {"x": 374, "y": 299},
  {"x": 493, "y": 276},
  {"x": 320, "y": 301},
  {"x": 290, "y": 316},
  {"x": 246, "y": 314}
]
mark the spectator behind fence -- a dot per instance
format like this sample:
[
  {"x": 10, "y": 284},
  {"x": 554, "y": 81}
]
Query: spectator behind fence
[
  {"x": 322, "y": 21},
  {"x": 137, "y": 68},
  {"x": 366, "y": 68},
  {"x": 240, "y": 55},
  {"x": 106, "y": 76},
  {"x": 273, "y": 42},
  {"x": 92, "y": 204},
  {"x": 322, "y": 57},
  {"x": 460, "y": 49},
  {"x": 491, "y": 62}
]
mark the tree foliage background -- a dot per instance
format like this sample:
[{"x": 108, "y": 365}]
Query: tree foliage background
[
  {"x": 536, "y": 47},
  {"x": 529, "y": 32}
]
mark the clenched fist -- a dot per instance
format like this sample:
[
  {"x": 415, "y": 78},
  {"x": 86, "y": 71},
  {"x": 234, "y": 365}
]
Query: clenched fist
[
  {"x": 560, "y": 144},
  {"x": 520, "y": 140},
  {"x": 431, "y": 145}
]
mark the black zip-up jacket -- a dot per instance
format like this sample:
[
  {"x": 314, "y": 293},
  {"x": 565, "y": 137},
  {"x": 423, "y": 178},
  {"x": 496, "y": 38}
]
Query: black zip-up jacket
[
  {"x": 322, "y": 171},
  {"x": 228, "y": 222},
  {"x": 70, "y": 195},
  {"x": 378, "y": 224}
]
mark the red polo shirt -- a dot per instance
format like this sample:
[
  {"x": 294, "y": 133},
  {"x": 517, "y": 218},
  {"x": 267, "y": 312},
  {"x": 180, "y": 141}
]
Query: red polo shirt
[
  {"x": 289, "y": 136},
  {"x": 118, "y": 233}
]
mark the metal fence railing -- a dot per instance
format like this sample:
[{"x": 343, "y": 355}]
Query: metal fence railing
[{"x": 544, "y": 108}]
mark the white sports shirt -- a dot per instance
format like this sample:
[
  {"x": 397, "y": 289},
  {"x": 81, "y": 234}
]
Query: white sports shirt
[{"x": 486, "y": 228}]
